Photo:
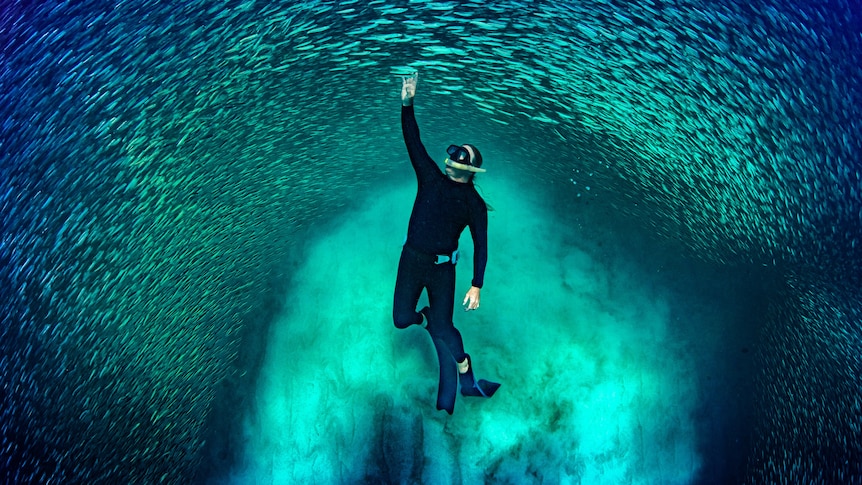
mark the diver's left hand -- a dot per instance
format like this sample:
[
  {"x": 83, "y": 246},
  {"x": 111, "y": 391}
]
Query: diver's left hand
[{"x": 471, "y": 301}]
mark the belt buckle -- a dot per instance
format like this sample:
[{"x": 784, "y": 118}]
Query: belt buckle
[{"x": 447, "y": 258}]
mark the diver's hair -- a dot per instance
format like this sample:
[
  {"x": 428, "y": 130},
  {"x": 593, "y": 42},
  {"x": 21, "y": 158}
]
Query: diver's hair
[
  {"x": 482, "y": 194},
  {"x": 478, "y": 164},
  {"x": 478, "y": 161}
]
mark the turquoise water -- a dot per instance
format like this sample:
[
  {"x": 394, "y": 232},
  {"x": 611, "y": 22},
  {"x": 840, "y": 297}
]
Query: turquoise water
[{"x": 203, "y": 206}]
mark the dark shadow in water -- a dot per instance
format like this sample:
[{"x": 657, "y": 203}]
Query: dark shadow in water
[
  {"x": 719, "y": 313},
  {"x": 234, "y": 396},
  {"x": 726, "y": 413},
  {"x": 729, "y": 305}
]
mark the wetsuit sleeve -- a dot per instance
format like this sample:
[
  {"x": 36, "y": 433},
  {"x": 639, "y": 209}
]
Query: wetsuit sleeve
[
  {"x": 422, "y": 163},
  {"x": 479, "y": 231}
]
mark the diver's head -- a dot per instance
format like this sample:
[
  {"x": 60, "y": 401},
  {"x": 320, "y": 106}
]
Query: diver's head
[{"x": 464, "y": 162}]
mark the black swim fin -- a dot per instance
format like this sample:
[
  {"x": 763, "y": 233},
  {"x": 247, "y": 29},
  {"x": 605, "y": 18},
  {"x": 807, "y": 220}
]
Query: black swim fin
[
  {"x": 480, "y": 388},
  {"x": 448, "y": 384}
]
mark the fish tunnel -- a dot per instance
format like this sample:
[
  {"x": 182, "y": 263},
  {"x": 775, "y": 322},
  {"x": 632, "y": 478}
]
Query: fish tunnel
[{"x": 203, "y": 206}]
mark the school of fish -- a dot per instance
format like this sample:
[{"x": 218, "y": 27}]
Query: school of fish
[{"x": 160, "y": 159}]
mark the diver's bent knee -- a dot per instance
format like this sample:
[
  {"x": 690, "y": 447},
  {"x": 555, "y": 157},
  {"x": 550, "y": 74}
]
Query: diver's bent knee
[{"x": 402, "y": 321}]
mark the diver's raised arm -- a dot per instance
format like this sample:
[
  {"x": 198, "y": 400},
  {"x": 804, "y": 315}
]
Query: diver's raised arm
[{"x": 424, "y": 166}]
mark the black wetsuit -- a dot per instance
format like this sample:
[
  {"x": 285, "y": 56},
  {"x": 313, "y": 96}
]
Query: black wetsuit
[{"x": 443, "y": 208}]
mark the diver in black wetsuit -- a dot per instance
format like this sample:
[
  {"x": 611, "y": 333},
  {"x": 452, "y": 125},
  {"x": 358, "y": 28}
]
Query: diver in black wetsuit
[{"x": 444, "y": 206}]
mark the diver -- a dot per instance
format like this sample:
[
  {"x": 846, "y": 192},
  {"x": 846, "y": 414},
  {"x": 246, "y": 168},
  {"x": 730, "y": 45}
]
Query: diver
[{"x": 444, "y": 206}]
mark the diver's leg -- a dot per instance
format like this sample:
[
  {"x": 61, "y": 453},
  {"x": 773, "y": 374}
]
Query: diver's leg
[
  {"x": 441, "y": 294},
  {"x": 441, "y": 297},
  {"x": 447, "y": 340},
  {"x": 408, "y": 288}
]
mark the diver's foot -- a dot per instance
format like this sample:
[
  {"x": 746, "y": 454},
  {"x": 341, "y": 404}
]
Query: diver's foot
[
  {"x": 464, "y": 366},
  {"x": 469, "y": 385},
  {"x": 424, "y": 313}
]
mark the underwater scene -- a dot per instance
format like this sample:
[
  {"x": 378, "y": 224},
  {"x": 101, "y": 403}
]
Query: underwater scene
[{"x": 203, "y": 205}]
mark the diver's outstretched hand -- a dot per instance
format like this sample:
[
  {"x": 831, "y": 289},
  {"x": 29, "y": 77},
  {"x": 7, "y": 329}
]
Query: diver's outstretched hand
[{"x": 408, "y": 88}]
